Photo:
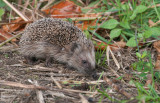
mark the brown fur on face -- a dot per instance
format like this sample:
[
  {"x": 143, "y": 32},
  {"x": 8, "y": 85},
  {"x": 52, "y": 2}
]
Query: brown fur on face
[
  {"x": 53, "y": 38},
  {"x": 83, "y": 58}
]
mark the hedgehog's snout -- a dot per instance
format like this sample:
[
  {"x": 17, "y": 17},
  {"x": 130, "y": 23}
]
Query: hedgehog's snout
[
  {"x": 94, "y": 75},
  {"x": 89, "y": 69},
  {"x": 91, "y": 72}
]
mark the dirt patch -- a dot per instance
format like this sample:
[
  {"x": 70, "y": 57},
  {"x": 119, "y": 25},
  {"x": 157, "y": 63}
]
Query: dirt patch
[{"x": 15, "y": 72}]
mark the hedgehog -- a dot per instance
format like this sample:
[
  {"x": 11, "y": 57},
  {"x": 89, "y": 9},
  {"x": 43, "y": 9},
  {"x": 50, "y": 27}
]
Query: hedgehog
[{"x": 52, "y": 39}]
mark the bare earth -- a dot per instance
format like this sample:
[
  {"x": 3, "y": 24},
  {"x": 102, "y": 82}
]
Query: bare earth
[{"x": 22, "y": 83}]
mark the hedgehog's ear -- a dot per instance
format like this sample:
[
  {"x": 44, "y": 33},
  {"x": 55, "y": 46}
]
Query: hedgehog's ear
[{"x": 74, "y": 46}]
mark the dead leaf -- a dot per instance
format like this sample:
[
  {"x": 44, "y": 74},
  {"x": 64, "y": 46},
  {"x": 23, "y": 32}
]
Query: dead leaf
[
  {"x": 101, "y": 45},
  {"x": 157, "y": 5},
  {"x": 117, "y": 46},
  {"x": 149, "y": 80},
  {"x": 151, "y": 23},
  {"x": 157, "y": 65},
  {"x": 155, "y": 23},
  {"x": 2, "y": 38},
  {"x": 5, "y": 35},
  {"x": 67, "y": 9},
  {"x": 157, "y": 47},
  {"x": 127, "y": 77},
  {"x": 83, "y": 25},
  {"x": 114, "y": 47},
  {"x": 14, "y": 27},
  {"x": 10, "y": 28},
  {"x": 87, "y": 23},
  {"x": 64, "y": 9},
  {"x": 83, "y": 99}
]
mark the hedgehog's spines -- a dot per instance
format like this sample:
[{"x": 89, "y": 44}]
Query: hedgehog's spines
[
  {"x": 54, "y": 31},
  {"x": 54, "y": 38}
]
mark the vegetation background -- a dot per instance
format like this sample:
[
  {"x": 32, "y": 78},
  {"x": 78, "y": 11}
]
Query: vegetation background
[{"x": 126, "y": 36}]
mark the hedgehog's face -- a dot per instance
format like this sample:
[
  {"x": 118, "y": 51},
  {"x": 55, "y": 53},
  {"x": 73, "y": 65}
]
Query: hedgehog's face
[{"x": 83, "y": 58}]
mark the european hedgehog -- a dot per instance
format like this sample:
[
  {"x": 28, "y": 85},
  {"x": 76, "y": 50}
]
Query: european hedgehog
[{"x": 54, "y": 39}]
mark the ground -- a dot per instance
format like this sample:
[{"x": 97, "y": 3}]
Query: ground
[{"x": 19, "y": 81}]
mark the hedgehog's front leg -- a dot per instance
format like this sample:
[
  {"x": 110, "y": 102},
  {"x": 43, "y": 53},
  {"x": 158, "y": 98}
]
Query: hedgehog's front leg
[{"x": 49, "y": 62}]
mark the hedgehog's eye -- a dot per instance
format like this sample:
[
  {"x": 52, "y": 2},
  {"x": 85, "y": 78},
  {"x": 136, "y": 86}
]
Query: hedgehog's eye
[
  {"x": 84, "y": 61},
  {"x": 86, "y": 64}
]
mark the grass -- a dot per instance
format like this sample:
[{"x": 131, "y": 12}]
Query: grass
[
  {"x": 149, "y": 95},
  {"x": 100, "y": 59},
  {"x": 128, "y": 22}
]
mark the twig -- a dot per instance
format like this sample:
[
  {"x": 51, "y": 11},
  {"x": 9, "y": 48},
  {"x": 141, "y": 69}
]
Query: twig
[
  {"x": 56, "y": 82},
  {"x": 95, "y": 6},
  {"x": 115, "y": 60},
  {"x": 25, "y": 6},
  {"x": 117, "y": 88},
  {"x": 107, "y": 55},
  {"x": 14, "y": 84},
  {"x": 83, "y": 99},
  {"x": 78, "y": 91},
  {"x": 11, "y": 101},
  {"x": 81, "y": 82},
  {"x": 49, "y": 2},
  {"x": 62, "y": 75},
  {"x": 22, "y": 22},
  {"x": 114, "y": 72},
  {"x": 155, "y": 24},
  {"x": 15, "y": 36},
  {"x": 28, "y": 9},
  {"x": 80, "y": 1},
  {"x": 39, "y": 4},
  {"x": 105, "y": 69},
  {"x": 97, "y": 40},
  {"x": 17, "y": 11},
  {"x": 84, "y": 18},
  {"x": 39, "y": 68},
  {"x": 39, "y": 94},
  {"x": 60, "y": 94}
]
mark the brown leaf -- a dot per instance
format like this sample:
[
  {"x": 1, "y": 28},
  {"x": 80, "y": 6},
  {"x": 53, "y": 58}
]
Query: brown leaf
[
  {"x": 154, "y": 24},
  {"x": 118, "y": 45},
  {"x": 157, "y": 65},
  {"x": 151, "y": 23},
  {"x": 5, "y": 35},
  {"x": 64, "y": 9},
  {"x": 14, "y": 27},
  {"x": 114, "y": 47},
  {"x": 157, "y": 5},
  {"x": 149, "y": 80},
  {"x": 67, "y": 9},
  {"x": 101, "y": 45},
  {"x": 157, "y": 47},
  {"x": 2, "y": 38},
  {"x": 85, "y": 24}
]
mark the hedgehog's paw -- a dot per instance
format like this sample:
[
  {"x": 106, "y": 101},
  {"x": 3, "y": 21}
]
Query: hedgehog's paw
[
  {"x": 32, "y": 60},
  {"x": 49, "y": 62}
]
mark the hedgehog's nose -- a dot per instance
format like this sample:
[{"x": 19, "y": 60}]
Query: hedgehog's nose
[{"x": 94, "y": 75}]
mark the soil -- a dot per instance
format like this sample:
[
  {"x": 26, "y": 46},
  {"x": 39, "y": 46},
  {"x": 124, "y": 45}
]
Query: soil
[{"x": 23, "y": 83}]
